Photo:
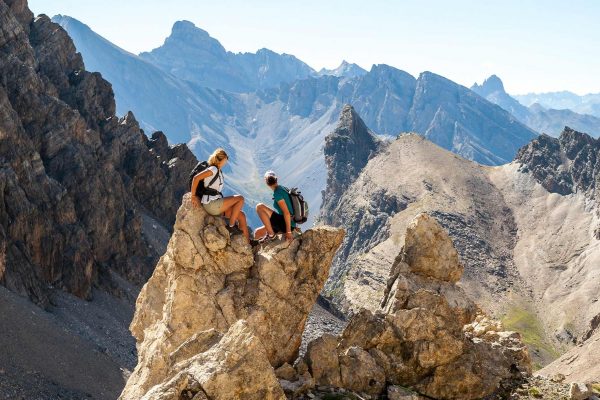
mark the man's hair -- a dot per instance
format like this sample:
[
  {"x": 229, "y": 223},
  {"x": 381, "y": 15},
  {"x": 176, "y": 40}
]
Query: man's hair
[
  {"x": 217, "y": 156},
  {"x": 271, "y": 180}
]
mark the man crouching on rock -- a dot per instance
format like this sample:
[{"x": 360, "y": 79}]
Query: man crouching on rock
[{"x": 278, "y": 220}]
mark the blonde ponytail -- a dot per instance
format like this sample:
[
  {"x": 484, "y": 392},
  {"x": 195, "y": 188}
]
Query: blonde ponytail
[{"x": 217, "y": 156}]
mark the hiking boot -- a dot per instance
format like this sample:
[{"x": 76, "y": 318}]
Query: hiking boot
[
  {"x": 267, "y": 238},
  {"x": 234, "y": 230}
]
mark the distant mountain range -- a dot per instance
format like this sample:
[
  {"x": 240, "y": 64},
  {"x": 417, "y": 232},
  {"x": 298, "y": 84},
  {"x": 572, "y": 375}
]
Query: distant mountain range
[
  {"x": 586, "y": 104},
  {"x": 541, "y": 119},
  {"x": 273, "y": 111},
  {"x": 192, "y": 54}
]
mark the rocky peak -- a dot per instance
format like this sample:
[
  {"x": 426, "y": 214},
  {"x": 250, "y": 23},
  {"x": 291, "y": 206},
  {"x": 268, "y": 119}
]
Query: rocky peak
[
  {"x": 565, "y": 164},
  {"x": 444, "y": 111},
  {"x": 347, "y": 150},
  {"x": 211, "y": 295},
  {"x": 186, "y": 31},
  {"x": 491, "y": 85},
  {"x": 345, "y": 69}
]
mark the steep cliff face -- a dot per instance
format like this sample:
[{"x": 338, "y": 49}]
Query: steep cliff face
[
  {"x": 206, "y": 283},
  {"x": 75, "y": 178}
]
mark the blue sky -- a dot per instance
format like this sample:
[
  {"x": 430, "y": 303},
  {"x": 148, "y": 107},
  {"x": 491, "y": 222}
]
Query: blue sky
[{"x": 532, "y": 45}]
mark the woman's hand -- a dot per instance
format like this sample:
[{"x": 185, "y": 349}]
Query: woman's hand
[
  {"x": 195, "y": 201},
  {"x": 289, "y": 237}
]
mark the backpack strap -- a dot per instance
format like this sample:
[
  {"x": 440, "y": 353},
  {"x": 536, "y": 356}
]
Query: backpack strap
[
  {"x": 215, "y": 177},
  {"x": 208, "y": 191}
]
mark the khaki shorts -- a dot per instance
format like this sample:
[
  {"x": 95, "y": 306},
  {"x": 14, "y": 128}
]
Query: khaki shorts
[{"x": 214, "y": 207}]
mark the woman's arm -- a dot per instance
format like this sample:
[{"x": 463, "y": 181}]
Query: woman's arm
[
  {"x": 287, "y": 217},
  {"x": 196, "y": 181}
]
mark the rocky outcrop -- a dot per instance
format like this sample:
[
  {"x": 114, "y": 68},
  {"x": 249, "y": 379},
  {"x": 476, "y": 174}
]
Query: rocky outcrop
[
  {"x": 564, "y": 165},
  {"x": 219, "y": 321},
  {"x": 204, "y": 285},
  {"x": 211, "y": 365},
  {"x": 569, "y": 164},
  {"x": 347, "y": 150},
  {"x": 428, "y": 335},
  {"x": 71, "y": 196}
]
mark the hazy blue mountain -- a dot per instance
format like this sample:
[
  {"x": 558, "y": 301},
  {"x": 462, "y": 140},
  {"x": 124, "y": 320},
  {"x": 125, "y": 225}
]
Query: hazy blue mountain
[
  {"x": 284, "y": 127},
  {"x": 345, "y": 69},
  {"x": 586, "y": 104},
  {"x": 160, "y": 100},
  {"x": 459, "y": 120},
  {"x": 541, "y": 119},
  {"x": 493, "y": 90},
  {"x": 192, "y": 54}
]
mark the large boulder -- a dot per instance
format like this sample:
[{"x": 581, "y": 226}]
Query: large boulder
[
  {"x": 207, "y": 281},
  {"x": 220, "y": 367},
  {"x": 428, "y": 335}
]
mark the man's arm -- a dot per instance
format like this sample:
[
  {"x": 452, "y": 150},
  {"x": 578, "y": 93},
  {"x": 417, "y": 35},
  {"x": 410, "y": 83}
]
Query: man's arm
[{"x": 288, "y": 219}]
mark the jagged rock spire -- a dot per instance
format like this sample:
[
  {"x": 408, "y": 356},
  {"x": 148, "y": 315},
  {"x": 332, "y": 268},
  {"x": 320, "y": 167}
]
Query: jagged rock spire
[{"x": 347, "y": 150}]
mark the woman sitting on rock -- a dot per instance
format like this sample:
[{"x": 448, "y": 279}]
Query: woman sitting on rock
[
  {"x": 212, "y": 199},
  {"x": 278, "y": 220}
]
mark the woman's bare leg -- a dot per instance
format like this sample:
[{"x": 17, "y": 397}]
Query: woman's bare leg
[
  {"x": 243, "y": 224},
  {"x": 235, "y": 204},
  {"x": 264, "y": 213}
]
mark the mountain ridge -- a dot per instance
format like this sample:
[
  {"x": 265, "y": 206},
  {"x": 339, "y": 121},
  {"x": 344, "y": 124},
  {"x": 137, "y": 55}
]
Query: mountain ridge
[
  {"x": 519, "y": 240},
  {"x": 541, "y": 119},
  {"x": 190, "y": 53}
]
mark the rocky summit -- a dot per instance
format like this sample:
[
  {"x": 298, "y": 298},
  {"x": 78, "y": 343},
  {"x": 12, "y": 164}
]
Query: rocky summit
[
  {"x": 218, "y": 320},
  {"x": 211, "y": 290}
]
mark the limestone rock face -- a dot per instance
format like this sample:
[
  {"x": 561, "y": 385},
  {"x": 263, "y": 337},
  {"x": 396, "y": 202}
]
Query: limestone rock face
[
  {"x": 429, "y": 250},
  {"x": 220, "y": 367},
  {"x": 74, "y": 178},
  {"x": 428, "y": 335},
  {"x": 207, "y": 281}
]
